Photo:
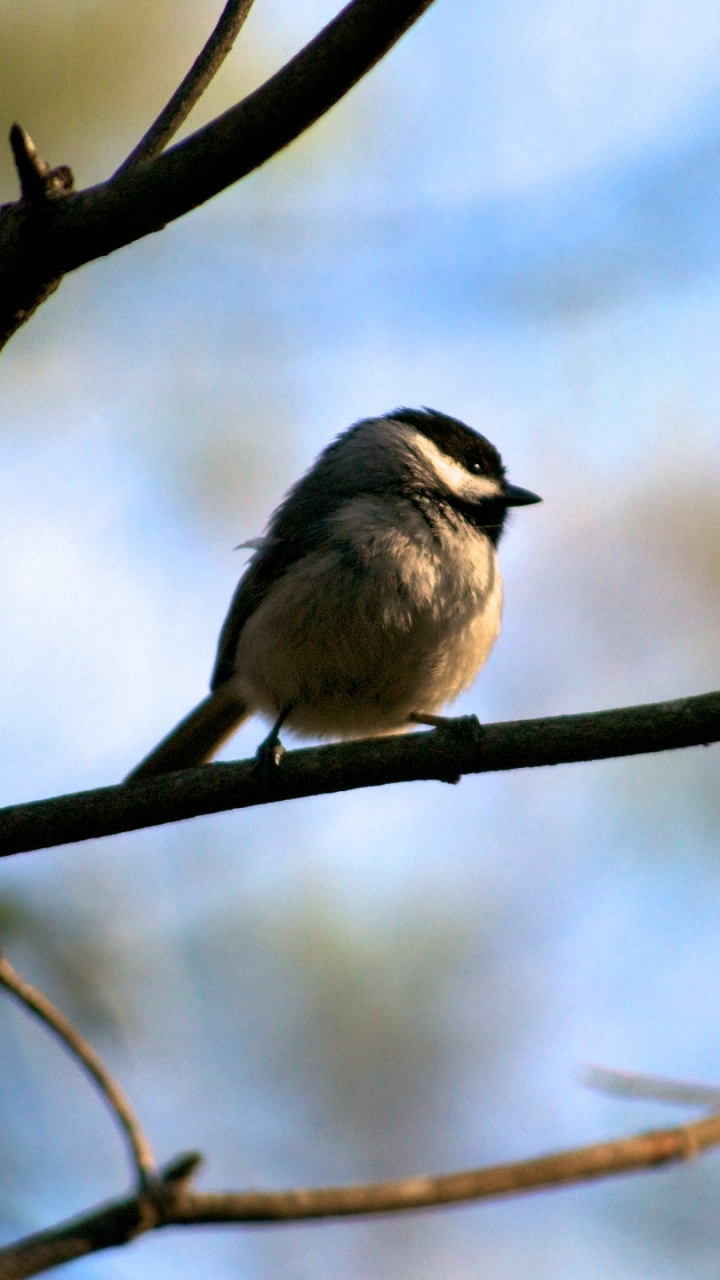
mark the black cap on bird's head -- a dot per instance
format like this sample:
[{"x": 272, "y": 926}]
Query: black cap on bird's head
[
  {"x": 469, "y": 449},
  {"x": 448, "y": 463},
  {"x": 455, "y": 439}
]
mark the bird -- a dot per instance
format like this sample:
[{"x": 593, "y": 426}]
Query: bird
[{"x": 373, "y": 599}]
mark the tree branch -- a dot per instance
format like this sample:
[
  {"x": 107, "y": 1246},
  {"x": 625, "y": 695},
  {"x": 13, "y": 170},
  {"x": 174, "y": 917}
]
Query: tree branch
[
  {"x": 39, "y": 245},
  {"x": 635, "y": 1084},
  {"x": 205, "y": 66},
  {"x": 443, "y": 754},
  {"x": 170, "y": 1202},
  {"x": 38, "y": 1003}
]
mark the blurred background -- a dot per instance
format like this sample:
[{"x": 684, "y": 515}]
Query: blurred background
[{"x": 514, "y": 219}]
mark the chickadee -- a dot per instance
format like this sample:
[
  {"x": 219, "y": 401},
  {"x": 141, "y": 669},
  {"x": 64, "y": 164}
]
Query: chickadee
[{"x": 374, "y": 598}]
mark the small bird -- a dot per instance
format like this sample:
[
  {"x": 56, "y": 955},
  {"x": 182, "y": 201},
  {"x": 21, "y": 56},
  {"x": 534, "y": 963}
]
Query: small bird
[{"x": 374, "y": 598}]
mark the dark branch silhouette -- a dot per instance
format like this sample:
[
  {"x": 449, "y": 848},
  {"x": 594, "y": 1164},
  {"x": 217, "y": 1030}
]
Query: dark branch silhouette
[
  {"x": 444, "y": 754},
  {"x": 38, "y": 182},
  {"x": 38, "y": 1003},
  {"x": 39, "y": 243},
  {"x": 170, "y": 1202},
  {"x": 205, "y": 66}
]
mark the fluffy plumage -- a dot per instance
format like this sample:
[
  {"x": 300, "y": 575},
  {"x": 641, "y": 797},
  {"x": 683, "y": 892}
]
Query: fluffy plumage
[{"x": 374, "y": 595}]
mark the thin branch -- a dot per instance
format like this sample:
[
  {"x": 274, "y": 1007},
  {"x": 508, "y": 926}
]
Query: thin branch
[
  {"x": 36, "y": 251},
  {"x": 172, "y": 1203},
  {"x": 38, "y": 1003},
  {"x": 635, "y": 1084},
  {"x": 442, "y": 754},
  {"x": 205, "y": 66}
]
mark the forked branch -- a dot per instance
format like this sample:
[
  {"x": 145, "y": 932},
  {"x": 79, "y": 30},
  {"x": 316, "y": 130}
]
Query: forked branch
[
  {"x": 164, "y": 1197},
  {"x": 205, "y": 66},
  {"x": 170, "y": 1201},
  {"x": 38, "y": 245}
]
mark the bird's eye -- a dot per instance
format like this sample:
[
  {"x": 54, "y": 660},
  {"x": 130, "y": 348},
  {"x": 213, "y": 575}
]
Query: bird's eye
[{"x": 475, "y": 468}]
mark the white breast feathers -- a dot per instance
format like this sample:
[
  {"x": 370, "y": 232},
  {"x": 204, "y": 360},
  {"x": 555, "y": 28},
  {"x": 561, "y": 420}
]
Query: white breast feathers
[{"x": 388, "y": 617}]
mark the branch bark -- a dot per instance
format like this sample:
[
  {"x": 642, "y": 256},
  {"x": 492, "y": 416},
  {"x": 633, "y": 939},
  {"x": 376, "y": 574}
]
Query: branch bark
[
  {"x": 443, "y": 754},
  {"x": 170, "y": 1202},
  {"x": 38, "y": 245},
  {"x": 76, "y": 1044},
  {"x": 194, "y": 84}
]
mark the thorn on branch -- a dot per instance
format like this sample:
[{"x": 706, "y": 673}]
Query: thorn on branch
[
  {"x": 38, "y": 182},
  {"x": 182, "y": 1168}
]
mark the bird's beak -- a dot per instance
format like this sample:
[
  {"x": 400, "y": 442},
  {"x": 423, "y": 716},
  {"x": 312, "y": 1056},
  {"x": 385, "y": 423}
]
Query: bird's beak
[{"x": 513, "y": 496}]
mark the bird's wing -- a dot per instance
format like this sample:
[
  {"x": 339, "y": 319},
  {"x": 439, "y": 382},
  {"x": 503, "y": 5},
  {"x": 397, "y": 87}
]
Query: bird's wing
[
  {"x": 249, "y": 593},
  {"x": 272, "y": 559},
  {"x": 300, "y": 525}
]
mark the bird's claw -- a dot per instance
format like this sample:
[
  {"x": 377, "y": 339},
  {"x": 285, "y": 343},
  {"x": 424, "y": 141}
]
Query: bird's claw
[
  {"x": 268, "y": 756},
  {"x": 271, "y": 750}
]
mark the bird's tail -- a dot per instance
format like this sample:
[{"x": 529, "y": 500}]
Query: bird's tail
[{"x": 195, "y": 739}]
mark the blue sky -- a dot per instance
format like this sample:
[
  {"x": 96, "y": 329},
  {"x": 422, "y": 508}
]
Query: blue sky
[{"x": 514, "y": 219}]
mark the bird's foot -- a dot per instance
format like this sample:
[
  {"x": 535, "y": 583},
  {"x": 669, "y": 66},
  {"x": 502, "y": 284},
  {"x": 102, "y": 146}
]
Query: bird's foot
[
  {"x": 271, "y": 750},
  {"x": 268, "y": 755}
]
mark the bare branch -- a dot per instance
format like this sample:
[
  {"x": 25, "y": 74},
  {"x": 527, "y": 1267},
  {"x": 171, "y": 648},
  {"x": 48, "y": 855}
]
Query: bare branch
[
  {"x": 635, "y": 1084},
  {"x": 443, "y": 754},
  {"x": 205, "y": 66},
  {"x": 38, "y": 1003},
  {"x": 172, "y": 1203},
  {"x": 35, "y": 252}
]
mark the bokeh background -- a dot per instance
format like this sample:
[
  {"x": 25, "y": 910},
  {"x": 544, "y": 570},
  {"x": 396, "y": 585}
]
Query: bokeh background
[{"x": 514, "y": 219}]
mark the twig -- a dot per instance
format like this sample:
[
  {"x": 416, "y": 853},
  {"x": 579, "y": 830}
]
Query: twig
[
  {"x": 635, "y": 1084},
  {"x": 174, "y": 1204},
  {"x": 38, "y": 1003},
  {"x": 443, "y": 754},
  {"x": 38, "y": 182},
  {"x": 88, "y": 224},
  {"x": 193, "y": 86}
]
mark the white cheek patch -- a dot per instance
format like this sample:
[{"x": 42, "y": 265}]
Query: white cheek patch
[{"x": 455, "y": 477}]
